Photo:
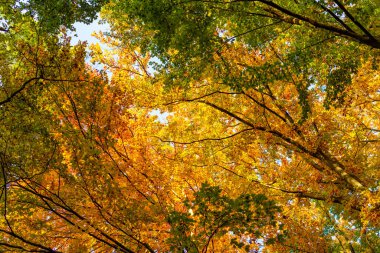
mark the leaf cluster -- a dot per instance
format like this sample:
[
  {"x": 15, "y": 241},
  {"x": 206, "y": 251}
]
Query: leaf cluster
[
  {"x": 211, "y": 215},
  {"x": 50, "y": 14}
]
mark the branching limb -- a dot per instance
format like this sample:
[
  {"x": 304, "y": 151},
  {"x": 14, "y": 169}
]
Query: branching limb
[
  {"x": 348, "y": 14},
  {"x": 334, "y": 16},
  {"x": 206, "y": 139},
  {"x": 22, "y": 87}
]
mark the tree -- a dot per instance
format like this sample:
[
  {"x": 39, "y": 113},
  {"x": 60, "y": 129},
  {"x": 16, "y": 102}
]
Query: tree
[
  {"x": 80, "y": 169},
  {"x": 323, "y": 39},
  {"x": 322, "y": 169},
  {"x": 261, "y": 147}
]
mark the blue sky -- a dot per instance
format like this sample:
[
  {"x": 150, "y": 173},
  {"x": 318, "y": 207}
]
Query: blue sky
[{"x": 84, "y": 32}]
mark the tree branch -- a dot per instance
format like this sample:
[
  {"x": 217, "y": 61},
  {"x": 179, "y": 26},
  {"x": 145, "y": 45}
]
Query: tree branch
[
  {"x": 22, "y": 87},
  {"x": 295, "y": 18},
  {"x": 334, "y": 16},
  {"x": 348, "y": 14},
  {"x": 206, "y": 139},
  {"x": 354, "y": 182}
]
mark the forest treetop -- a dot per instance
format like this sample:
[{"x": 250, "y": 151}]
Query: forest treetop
[
  {"x": 321, "y": 37},
  {"x": 270, "y": 141}
]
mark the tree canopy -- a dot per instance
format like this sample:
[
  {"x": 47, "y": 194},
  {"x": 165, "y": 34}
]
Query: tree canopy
[
  {"x": 324, "y": 38},
  {"x": 203, "y": 126},
  {"x": 50, "y": 14}
]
